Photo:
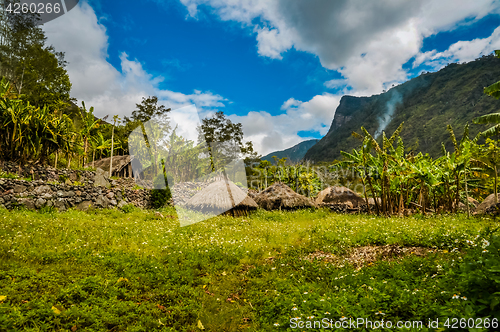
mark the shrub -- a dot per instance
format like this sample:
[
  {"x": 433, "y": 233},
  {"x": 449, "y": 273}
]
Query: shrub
[
  {"x": 47, "y": 210},
  {"x": 128, "y": 208},
  {"x": 160, "y": 197}
]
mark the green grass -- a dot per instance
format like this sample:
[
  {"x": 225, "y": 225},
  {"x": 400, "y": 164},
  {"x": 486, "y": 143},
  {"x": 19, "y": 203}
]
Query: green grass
[
  {"x": 114, "y": 271},
  {"x": 6, "y": 175}
]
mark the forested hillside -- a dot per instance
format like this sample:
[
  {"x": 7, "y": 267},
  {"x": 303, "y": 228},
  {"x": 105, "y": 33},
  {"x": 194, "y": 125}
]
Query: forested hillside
[
  {"x": 426, "y": 104},
  {"x": 293, "y": 154}
]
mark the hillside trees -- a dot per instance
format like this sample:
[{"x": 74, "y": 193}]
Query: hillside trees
[
  {"x": 494, "y": 89},
  {"x": 36, "y": 70}
]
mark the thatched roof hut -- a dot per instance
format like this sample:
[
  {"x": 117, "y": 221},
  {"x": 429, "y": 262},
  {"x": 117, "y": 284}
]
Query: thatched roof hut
[
  {"x": 252, "y": 193},
  {"x": 339, "y": 195},
  {"x": 486, "y": 204},
  {"x": 215, "y": 199},
  {"x": 122, "y": 166},
  {"x": 280, "y": 197}
]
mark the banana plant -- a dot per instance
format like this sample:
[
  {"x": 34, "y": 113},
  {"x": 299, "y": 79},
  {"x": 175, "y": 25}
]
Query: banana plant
[
  {"x": 90, "y": 124},
  {"x": 489, "y": 154}
]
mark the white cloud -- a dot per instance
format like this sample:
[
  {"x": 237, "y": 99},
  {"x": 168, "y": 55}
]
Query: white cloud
[
  {"x": 85, "y": 42},
  {"x": 366, "y": 41},
  {"x": 270, "y": 133},
  {"x": 336, "y": 83},
  {"x": 461, "y": 51},
  {"x": 95, "y": 81},
  {"x": 271, "y": 43}
]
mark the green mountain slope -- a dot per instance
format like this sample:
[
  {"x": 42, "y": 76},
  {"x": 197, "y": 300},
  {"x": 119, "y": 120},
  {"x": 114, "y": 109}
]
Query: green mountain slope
[
  {"x": 427, "y": 104},
  {"x": 294, "y": 154}
]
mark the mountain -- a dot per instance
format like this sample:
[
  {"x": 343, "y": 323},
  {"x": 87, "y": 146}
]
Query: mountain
[
  {"x": 427, "y": 104},
  {"x": 294, "y": 154}
]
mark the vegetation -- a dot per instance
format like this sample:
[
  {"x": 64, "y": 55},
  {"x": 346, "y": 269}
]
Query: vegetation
[
  {"x": 36, "y": 71},
  {"x": 134, "y": 271},
  {"x": 402, "y": 179},
  {"x": 301, "y": 177},
  {"x": 30, "y": 132},
  {"x": 427, "y": 104},
  {"x": 294, "y": 154}
]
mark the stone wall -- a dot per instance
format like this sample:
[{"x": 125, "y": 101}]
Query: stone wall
[
  {"x": 46, "y": 173},
  {"x": 39, "y": 193}
]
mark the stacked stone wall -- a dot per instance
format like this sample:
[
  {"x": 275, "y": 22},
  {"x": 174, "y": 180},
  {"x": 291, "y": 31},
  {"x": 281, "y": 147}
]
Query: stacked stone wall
[
  {"x": 47, "y": 173},
  {"x": 38, "y": 193}
]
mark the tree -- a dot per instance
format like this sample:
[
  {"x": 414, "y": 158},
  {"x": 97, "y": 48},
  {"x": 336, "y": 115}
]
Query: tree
[
  {"x": 37, "y": 71},
  {"x": 494, "y": 89},
  {"x": 489, "y": 153},
  {"x": 99, "y": 143},
  {"x": 30, "y": 133},
  {"x": 90, "y": 124},
  {"x": 116, "y": 120},
  {"x": 224, "y": 139},
  {"x": 147, "y": 109}
]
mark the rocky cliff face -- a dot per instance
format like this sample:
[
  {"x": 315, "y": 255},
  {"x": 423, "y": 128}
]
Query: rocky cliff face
[{"x": 426, "y": 104}]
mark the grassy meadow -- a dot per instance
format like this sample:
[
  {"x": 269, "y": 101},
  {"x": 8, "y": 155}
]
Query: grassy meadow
[{"x": 136, "y": 270}]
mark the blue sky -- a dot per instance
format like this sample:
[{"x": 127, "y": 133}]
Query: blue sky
[{"x": 278, "y": 67}]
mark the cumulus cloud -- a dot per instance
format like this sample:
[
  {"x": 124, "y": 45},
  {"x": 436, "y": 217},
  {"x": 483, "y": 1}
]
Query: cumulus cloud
[
  {"x": 366, "y": 41},
  {"x": 84, "y": 40},
  {"x": 270, "y": 133},
  {"x": 461, "y": 51}
]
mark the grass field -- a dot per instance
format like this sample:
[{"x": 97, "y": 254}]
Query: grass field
[{"x": 111, "y": 270}]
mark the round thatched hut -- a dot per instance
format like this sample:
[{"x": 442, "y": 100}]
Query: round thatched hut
[
  {"x": 216, "y": 199},
  {"x": 486, "y": 204},
  {"x": 280, "y": 197},
  {"x": 252, "y": 193},
  {"x": 339, "y": 196}
]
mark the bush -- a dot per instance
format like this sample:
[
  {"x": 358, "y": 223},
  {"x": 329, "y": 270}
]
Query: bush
[
  {"x": 160, "y": 197},
  {"x": 128, "y": 208},
  {"x": 47, "y": 210}
]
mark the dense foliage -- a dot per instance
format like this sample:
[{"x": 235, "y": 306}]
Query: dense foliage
[
  {"x": 302, "y": 177},
  {"x": 36, "y": 71},
  {"x": 29, "y": 132},
  {"x": 404, "y": 180},
  {"x": 426, "y": 104}
]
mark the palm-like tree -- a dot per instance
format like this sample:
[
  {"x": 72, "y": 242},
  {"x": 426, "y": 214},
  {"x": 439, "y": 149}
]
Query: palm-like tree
[
  {"x": 489, "y": 154},
  {"x": 99, "y": 144},
  {"x": 30, "y": 133},
  {"x": 90, "y": 124},
  {"x": 116, "y": 120}
]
